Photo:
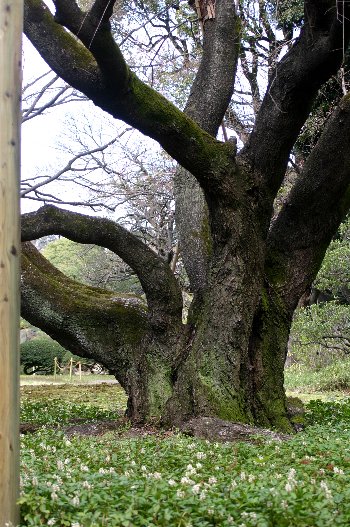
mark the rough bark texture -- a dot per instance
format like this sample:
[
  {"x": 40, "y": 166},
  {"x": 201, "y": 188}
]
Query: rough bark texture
[{"x": 247, "y": 273}]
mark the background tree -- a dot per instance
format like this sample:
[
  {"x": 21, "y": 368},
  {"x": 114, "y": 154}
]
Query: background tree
[
  {"x": 247, "y": 272},
  {"x": 91, "y": 265}
]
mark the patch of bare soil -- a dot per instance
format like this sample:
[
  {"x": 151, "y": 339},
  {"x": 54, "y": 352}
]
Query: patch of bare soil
[{"x": 121, "y": 427}]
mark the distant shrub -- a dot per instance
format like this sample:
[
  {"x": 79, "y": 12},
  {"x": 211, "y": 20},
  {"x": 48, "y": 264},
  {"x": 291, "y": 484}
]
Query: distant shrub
[{"x": 38, "y": 354}]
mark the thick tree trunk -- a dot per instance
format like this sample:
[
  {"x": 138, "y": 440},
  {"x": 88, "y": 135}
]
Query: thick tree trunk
[
  {"x": 217, "y": 368},
  {"x": 247, "y": 276}
]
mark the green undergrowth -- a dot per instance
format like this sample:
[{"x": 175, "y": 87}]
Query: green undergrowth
[
  {"x": 58, "y": 405},
  {"x": 173, "y": 480},
  {"x": 102, "y": 396},
  {"x": 332, "y": 378}
]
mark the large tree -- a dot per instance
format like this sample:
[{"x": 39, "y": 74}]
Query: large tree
[{"x": 247, "y": 267}]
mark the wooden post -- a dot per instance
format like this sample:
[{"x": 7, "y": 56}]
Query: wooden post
[
  {"x": 54, "y": 368},
  {"x": 80, "y": 371},
  {"x": 11, "y": 20},
  {"x": 70, "y": 370}
]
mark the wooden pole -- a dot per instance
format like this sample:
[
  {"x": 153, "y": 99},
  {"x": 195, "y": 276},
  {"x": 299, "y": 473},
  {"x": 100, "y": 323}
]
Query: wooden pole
[
  {"x": 11, "y": 21},
  {"x": 70, "y": 370},
  {"x": 80, "y": 371},
  {"x": 54, "y": 368}
]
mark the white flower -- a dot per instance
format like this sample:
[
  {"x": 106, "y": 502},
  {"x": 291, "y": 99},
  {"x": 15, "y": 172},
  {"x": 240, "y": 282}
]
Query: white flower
[
  {"x": 233, "y": 484},
  {"x": 180, "y": 494},
  {"x": 171, "y": 482},
  {"x": 186, "y": 481},
  {"x": 251, "y": 478},
  {"x": 84, "y": 468},
  {"x": 201, "y": 455},
  {"x": 67, "y": 461},
  {"x": 199, "y": 465},
  {"x": 54, "y": 496},
  {"x": 202, "y": 495},
  {"x": 133, "y": 463},
  {"x": 55, "y": 487},
  {"x": 108, "y": 458},
  {"x": 284, "y": 504},
  {"x": 337, "y": 470},
  {"x": 211, "y": 511},
  {"x": 288, "y": 487},
  {"x": 60, "y": 464},
  {"x": 326, "y": 490},
  {"x": 229, "y": 519},
  {"x": 75, "y": 501},
  {"x": 291, "y": 473},
  {"x": 86, "y": 485},
  {"x": 67, "y": 442},
  {"x": 35, "y": 481},
  {"x": 51, "y": 521},
  {"x": 75, "y": 524},
  {"x": 101, "y": 471},
  {"x": 212, "y": 480},
  {"x": 243, "y": 476},
  {"x": 111, "y": 470},
  {"x": 196, "y": 489},
  {"x": 157, "y": 475},
  {"x": 143, "y": 468}
]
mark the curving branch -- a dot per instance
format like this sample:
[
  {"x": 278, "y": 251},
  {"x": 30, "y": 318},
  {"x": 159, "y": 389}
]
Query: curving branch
[
  {"x": 299, "y": 236},
  {"x": 313, "y": 59},
  {"x": 88, "y": 321},
  {"x": 162, "y": 291},
  {"x": 101, "y": 73}
]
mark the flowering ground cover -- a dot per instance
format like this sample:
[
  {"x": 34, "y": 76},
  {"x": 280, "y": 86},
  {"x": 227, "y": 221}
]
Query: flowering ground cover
[{"x": 173, "y": 480}]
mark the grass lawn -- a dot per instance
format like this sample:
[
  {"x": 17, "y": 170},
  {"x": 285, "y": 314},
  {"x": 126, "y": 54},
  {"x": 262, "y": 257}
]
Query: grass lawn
[
  {"x": 36, "y": 380},
  {"x": 167, "y": 479}
]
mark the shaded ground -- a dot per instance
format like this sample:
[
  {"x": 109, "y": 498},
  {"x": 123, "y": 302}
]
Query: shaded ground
[{"x": 209, "y": 428}]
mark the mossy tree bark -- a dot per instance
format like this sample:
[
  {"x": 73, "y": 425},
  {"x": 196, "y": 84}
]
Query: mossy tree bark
[{"x": 247, "y": 272}]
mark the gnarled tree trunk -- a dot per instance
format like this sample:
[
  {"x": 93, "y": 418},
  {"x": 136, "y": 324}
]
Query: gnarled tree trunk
[{"x": 247, "y": 272}]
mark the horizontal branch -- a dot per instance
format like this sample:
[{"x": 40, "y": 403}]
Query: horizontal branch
[
  {"x": 160, "y": 285},
  {"x": 90, "y": 322}
]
